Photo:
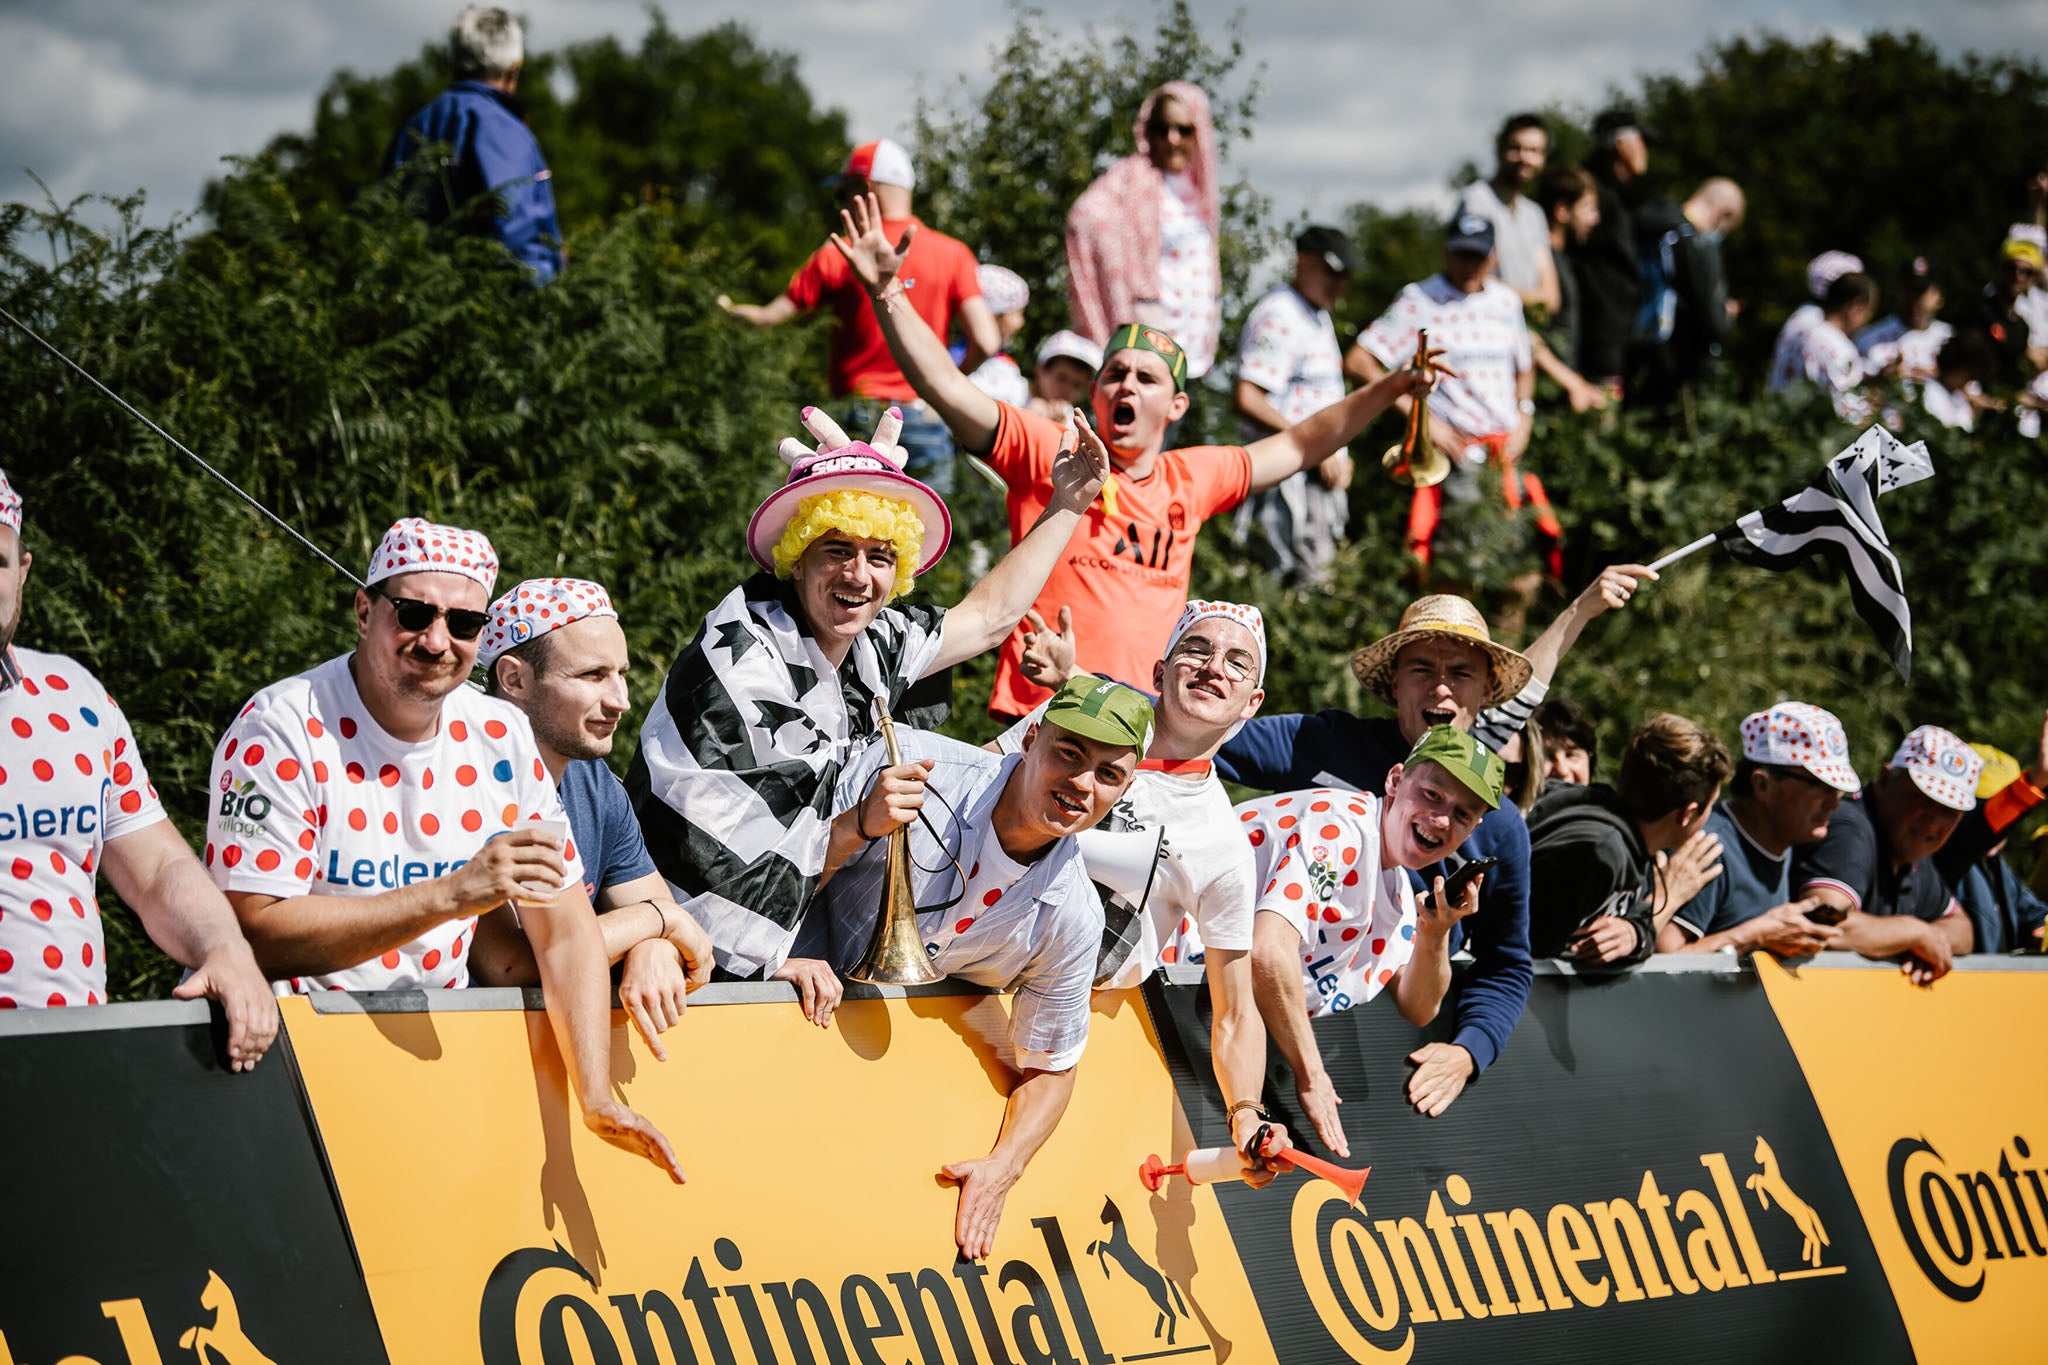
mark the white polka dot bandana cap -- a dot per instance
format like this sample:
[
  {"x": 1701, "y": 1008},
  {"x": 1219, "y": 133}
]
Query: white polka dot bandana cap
[
  {"x": 416, "y": 545},
  {"x": 1943, "y": 767},
  {"x": 10, "y": 505},
  {"x": 1246, "y": 616},
  {"x": 536, "y": 607},
  {"x": 1794, "y": 734}
]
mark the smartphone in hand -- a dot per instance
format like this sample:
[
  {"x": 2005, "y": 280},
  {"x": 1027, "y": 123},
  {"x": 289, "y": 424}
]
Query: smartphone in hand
[{"x": 1454, "y": 886}]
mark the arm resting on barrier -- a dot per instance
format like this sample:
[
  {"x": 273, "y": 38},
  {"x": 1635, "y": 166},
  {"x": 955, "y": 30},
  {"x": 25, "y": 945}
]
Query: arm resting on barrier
[
  {"x": 1927, "y": 949},
  {"x": 570, "y": 954},
  {"x": 1034, "y": 1110},
  {"x": 1283, "y": 1003},
  {"x": 153, "y": 869}
]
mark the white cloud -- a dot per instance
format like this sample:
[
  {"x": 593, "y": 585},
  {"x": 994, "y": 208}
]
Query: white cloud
[{"x": 1360, "y": 103}]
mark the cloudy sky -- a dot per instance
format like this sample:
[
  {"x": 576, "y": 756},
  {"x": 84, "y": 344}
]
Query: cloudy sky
[{"x": 1362, "y": 102}]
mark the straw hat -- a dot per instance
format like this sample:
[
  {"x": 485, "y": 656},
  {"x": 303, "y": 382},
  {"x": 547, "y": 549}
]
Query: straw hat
[{"x": 1445, "y": 617}]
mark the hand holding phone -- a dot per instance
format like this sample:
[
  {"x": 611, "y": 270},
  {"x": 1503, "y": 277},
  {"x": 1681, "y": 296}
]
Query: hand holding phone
[{"x": 1467, "y": 873}]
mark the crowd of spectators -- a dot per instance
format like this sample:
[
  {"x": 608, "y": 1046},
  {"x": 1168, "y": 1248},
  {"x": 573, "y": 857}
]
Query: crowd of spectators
[{"x": 380, "y": 823}]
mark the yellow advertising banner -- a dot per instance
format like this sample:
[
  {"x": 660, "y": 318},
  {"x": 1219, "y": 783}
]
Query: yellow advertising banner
[
  {"x": 1935, "y": 1100},
  {"x": 493, "y": 1228}
]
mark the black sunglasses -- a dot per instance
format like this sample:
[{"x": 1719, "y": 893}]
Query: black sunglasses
[{"x": 416, "y": 616}]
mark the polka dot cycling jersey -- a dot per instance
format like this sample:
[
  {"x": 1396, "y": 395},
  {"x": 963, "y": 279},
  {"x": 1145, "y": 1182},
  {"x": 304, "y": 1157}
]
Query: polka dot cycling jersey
[
  {"x": 309, "y": 795},
  {"x": 70, "y": 779},
  {"x": 1318, "y": 861}
]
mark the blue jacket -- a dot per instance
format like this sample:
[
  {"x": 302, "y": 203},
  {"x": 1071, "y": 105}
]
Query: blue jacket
[
  {"x": 1338, "y": 749},
  {"x": 2004, "y": 913},
  {"x": 490, "y": 150}
]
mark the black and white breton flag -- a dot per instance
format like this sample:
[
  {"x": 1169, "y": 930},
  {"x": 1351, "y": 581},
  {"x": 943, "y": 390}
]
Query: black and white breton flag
[
  {"x": 1836, "y": 519},
  {"x": 734, "y": 777}
]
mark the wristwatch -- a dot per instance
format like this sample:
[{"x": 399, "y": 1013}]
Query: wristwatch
[{"x": 1528, "y": 406}]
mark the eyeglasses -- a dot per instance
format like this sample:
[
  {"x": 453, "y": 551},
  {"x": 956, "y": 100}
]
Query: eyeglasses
[
  {"x": 416, "y": 616},
  {"x": 1237, "y": 664}
]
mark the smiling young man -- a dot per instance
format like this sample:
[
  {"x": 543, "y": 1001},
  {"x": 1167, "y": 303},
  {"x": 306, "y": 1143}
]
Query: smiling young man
[
  {"x": 1338, "y": 919},
  {"x": 1124, "y": 574},
  {"x": 740, "y": 753},
  {"x": 1792, "y": 776},
  {"x": 1440, "y": 667},
  {"x": 554, "y": 649},
  {"x": 371, "y": 809},
  {"x": 1003, "y": 899}
]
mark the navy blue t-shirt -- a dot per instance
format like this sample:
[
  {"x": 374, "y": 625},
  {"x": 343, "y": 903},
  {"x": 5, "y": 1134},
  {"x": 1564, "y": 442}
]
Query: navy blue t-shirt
[
  {"x": 1338, "y": 749},
  {"x": 1751, "y": 882},
  {"x": 1852, "y": 858},
  {"x": 601, "y": 820}
]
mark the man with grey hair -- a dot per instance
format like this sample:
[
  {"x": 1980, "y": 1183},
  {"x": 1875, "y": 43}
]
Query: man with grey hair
[{"x": 477, "y": 142}]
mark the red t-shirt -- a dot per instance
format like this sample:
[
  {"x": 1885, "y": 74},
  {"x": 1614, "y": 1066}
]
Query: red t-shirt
[
  {"x": 1125, "y": 578},
  {"x": 938, "y": 275}
]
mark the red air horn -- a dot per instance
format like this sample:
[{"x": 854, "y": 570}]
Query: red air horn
[{"x": 1207, "y": 1165}]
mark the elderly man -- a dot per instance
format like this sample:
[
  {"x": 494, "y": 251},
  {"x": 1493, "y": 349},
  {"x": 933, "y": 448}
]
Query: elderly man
[
  {"x": 373, "y": 808},
  {"x": 1290, "y": 367},
  {"x": 554, "y": 649},
  {"x": 1892, "y": 854},
  {"x": 1004, "y": 899},
  {"x": 1484, "y": 410},
  {"x": 740, "y": 753},
  {"x": 1125, "y": 575},
  {"x": 1338, "y": 919},
  {"x": 1441, "y": 667},
  {"x": 83, "y": 802},
  {"x": 1209, "y": 682},
  {"x": 490, "y": 149},
  {"x": 1793, "y": 774},
  {"x": 949, "y": 289}
]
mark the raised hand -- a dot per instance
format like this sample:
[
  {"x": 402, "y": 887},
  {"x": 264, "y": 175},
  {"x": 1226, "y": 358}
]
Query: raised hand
[
  {"x": 873, "y": 259},
  {"x": 1080, "y": 468},
  {"x": 1613, "y": 588},
  {"x": 1048, "y": 655}
]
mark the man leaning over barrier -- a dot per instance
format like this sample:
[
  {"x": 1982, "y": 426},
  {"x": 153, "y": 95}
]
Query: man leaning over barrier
[
  {"x": 79, "y": 800},
  {"x": 740, "y": 753},
  {"x": 1439, "y": 668},
  {"x": 1338, "y": 919},
  {"x": 1210, "y": 682},
  {"x": 369, "y": 810},
  {"x": 1003, "y": 898},
  {"x": 554, "y": 649}
]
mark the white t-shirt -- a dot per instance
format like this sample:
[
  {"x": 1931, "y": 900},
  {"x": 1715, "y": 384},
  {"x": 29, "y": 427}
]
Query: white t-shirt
[
  {"x": 1289, "y": 349},
  {"x": 1521, "y": 239},
  {"x": 313, "y": 797},
  {"x": 1187, "y": 273},
  {"x": 1204, "y": 883},
  {"x": 1948, "y": 407},
  {"x": 1823, "y": 354},
  {"x": 1000, "y": 379},
  {"x": 1316, "y": 858},
  {"x": 70, "y": 779},
  {"x": 2032, "y": 308},
  {"x": 1486, "y": 342},
  {"x": 1914, "y": 348}
]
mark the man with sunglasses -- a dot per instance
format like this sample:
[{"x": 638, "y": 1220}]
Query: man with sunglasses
[
  {"x": 367, "y": 812},
  {"x": 1791, "y": 778}
]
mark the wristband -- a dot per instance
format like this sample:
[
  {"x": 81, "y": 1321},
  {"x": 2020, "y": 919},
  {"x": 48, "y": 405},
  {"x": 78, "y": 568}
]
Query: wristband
[
  {"x": 861, "y": 829},
  {"x": 1255, "y": 1106},
  {"x": 660, "y": 915}
]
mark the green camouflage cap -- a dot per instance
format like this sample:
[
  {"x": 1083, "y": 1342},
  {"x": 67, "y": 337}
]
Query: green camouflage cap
[
  {"x": 1136, "y": 336},
  {"x": 1095, "y": 708},
  {"x": 1464, "y": 758}
]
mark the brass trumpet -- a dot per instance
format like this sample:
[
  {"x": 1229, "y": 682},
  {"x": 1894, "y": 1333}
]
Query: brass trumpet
[
  {"x": 895, "y": 955},
  {"x": 1416, "y": 462}
]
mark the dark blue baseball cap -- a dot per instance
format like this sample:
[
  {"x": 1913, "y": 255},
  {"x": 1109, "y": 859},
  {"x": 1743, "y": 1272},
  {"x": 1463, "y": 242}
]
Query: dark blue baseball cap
[{"x": 1470, "y": 232}]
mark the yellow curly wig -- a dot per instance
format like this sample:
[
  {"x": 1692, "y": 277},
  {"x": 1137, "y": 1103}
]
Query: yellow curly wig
[{"x": 864, "y": 516}]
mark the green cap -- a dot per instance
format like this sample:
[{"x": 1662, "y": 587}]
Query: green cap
[
  {"x": 1136, "y": 336},
  {"x": 1095, "y": 708},
  {"x": 1464, "y": 758}
]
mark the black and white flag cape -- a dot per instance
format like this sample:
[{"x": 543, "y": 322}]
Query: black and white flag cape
[
  {"x": 1836, "y": 518},
  {"x": 733, "y": 782}
]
